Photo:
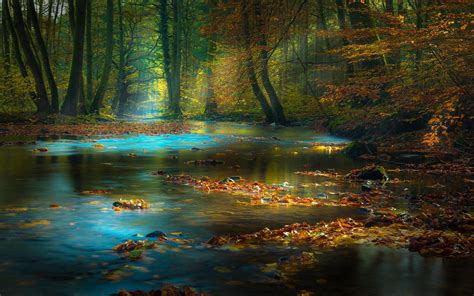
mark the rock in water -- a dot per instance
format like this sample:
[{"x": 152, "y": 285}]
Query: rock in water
[
  {"x": 156, "y": 233},
  {"x": 372, "y": 172},
  {"x": 322, "y": 195}
]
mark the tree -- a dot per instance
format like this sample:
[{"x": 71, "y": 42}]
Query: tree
[
  {"x": 210, "y": 107},
  {"x": 41, "y": 99},
  {"x": 75, "y": 86},
  {"x": 5, "y": 38},
  {"x": 277, "y": 108},
  {"x": 250, "y": 66},
  {"x": 99, "y": 95},
  {"x": 44, "y": 56},
  {"x": 171, "y": 52},
  {"x": 89, "y": 55}
]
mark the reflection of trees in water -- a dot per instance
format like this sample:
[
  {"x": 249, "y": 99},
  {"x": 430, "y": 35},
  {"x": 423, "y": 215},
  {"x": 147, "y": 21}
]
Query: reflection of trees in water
[{"x": 75, "y": 171}]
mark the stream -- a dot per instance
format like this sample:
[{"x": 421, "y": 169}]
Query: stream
[{"x": 68, "y": 250}]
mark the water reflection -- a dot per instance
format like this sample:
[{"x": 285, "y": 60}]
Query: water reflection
[{"x": 72, "y": 254}]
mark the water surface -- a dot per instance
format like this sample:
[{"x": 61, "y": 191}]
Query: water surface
[{"x": 72, "y": 254}]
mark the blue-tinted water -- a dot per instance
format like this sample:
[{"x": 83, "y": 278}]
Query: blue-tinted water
[{"x": 68, "y": 250}]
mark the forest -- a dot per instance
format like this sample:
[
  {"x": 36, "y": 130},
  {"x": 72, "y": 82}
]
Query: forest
[{"x": 298, "y": 147}]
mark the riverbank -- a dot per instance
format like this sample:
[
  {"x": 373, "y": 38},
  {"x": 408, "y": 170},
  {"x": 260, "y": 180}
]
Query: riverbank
[{"x": 84, "y": 126}]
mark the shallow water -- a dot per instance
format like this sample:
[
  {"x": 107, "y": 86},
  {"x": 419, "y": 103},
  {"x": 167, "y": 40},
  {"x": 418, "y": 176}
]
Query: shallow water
[{"x": 72, "y": 254}]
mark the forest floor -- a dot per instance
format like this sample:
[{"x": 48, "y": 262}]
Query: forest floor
[{"x": 92, "y": 129}]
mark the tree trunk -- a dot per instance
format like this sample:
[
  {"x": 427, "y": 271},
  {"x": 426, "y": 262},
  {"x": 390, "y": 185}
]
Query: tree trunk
[
  {"x": 264, "y": 75},
  {"x": 48, "y": 23},
  {"x": 41, "y": 101},
  {"x": 123, "y": 94},
  {"x": 250, "y": 67},
  {"x": 99, "y": 95},
  {"x": 89, "y": 53},
  {"x": 121, "y": 65},
  {"x": 211, "y": 105},
  {"x": 75, "y": 89},
  {"x": 15, "y": 43},
  {"x": 341, "y": 14},
  {"x": 57, "y": 43},
  {"x": 176, "y": 59},
  {"x": 322, "y": 22},
  {"x": 44, "y": 56},
  {"x": 167, "y": 66},
  {"x": 5, "y": 38}
]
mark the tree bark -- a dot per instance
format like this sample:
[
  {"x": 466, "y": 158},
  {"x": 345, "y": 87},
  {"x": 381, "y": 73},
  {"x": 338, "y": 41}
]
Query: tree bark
[
  {"x": 168, "y": 68},
  {"x": 250, "y": 67},
  {"x": 121, "y": 98},
  {"x": 89, "y": 53},
  {"x": 5, "y": 38},
  {"x": 264, "y": 74},
  {"x": 176, "y": 59},
  {"x": 75, "y": 90},
  {"x": 322, "y": 22},
  {"x": 211, "y": 105},
  {"x": 48, "y": 22},
  {"x": 44, "y": 56},
  {"x": 121, "y": 57},
  {"x": 99, "y": 95},
  {"x": 15, "y": 43},
  {"x": 41, "y": 100}
]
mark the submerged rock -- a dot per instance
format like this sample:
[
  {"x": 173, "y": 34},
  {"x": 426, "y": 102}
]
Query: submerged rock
[
  {"x": 40, "y": 150},
  {"x": 132, "y": 204},
  {"x": 231, "y": 179},
  {"x": 322, "y": 195},
  {"x": 372, "y": 172},
  {"x": 205, "y": 162},
  {"x": 156, "y": 233}
]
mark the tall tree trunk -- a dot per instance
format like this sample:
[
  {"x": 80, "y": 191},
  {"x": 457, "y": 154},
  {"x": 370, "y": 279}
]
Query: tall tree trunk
[
  {"x": 341, "y": 17},
  {"x": 99, "y": 95},
  {"x": 264, "y": 75},
  {"x": 322, "y": 22},
  {"x": 41, "y": 101},
  {"x": 341, "y": 14},
  {"x": 89, "y": 54},
  {"x": 303, "y": 37},
  {"x": 419, "y": 25},
  {"x": 15, "y": 43},
  {"x": 53, "y": 33},
  {"x": 211, "y": 105},
  {"x": 48, "y": 22},
  {"x": 44, "y": 57},
  {"x": 5, "y": 38},
  {"x": 123, "y": 94},
  {"x": 75, "y": 89},
  {"x": 176, "y": 58},
  {"x": 166, "y": 54},
  {"x": 57, "y": 42},
  {"x": 121, "y": 65},
  {"x": 250, "y": 67}
]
